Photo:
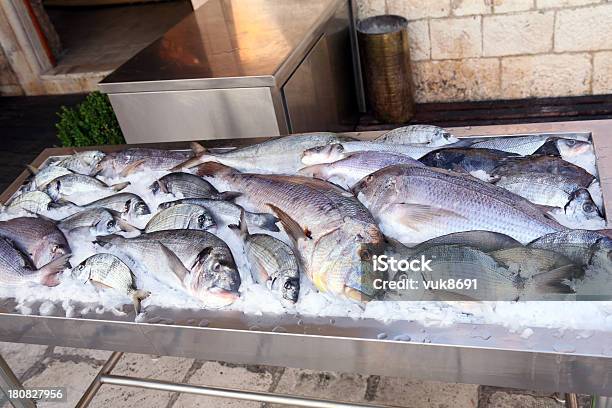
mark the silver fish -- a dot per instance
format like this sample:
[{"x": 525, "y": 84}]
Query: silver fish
[
  {"x": 523, "y": 145},
  {"x": 578, "y": 152},
  {"x": 226, "y": 212},
  {"x": 355, "y": 166},
  {"x": 541, "y": 188},
  {"x": 429, "y": 135},
  {"x": 81, "y": 162},
  {"x": 281, "y": 155},
  {"x": 35, "y": 202},
  {"x": 189, "y": 186},
  {"x": 485, "y": 241},
  {"x": 108, "y": 271},
  {"x": 194, "y": 261},
  {"x": 126, "y": 162},
  {"x": 100, "y": 221},
  {"x": 39, "y": 239},
  {"x": 335, "y": 235},
  {"x": 338, "y": 151},
  {"x": 465, "y": 160},
  {"x": 128, "y": 204},
  {"x": 556, "y": 166},
  {"x": 582, "y": 207},
  {"x": 582, "y": 247},
  {"x": 414, "y": 204},
  {"x": 16, "y": 269},
  {"x": 42, "y": 177},
  {"x": 181, "y": 216},
  {"x": 272, "y": 262},
  {"x": 70, "y": 187}
]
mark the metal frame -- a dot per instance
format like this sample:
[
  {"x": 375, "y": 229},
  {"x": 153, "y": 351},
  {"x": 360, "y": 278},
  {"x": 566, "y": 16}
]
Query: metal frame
[{"x": 465, "y": 353}]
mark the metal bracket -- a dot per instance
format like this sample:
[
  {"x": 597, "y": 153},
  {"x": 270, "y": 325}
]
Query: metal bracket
[{"x": 9, "y": 381}]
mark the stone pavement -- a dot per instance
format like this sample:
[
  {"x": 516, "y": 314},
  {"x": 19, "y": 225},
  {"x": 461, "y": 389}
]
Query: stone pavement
[{"x": 46, "y": 366}]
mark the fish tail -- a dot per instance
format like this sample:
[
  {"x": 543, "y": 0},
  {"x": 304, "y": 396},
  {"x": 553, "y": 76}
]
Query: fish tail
[
  {"x": 47, "y": 275},
  {"x": 214, "y": 169},
  {"x": 267, "y": 222},
  {"x": 197, "y": 148},
  {"x": 201, "y": 155},
  {"x": 229, "y": 195},
  {"x": 241, "y": 229},
  {"x": 137, "y": 296},
  {"x": 120, "y": 186},
  {"x": 557, "y": 280},
  {"x": 32, "y": 169}
]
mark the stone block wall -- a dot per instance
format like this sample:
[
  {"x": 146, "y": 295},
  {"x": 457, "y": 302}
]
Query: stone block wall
[{"x": 505, "y": 49}]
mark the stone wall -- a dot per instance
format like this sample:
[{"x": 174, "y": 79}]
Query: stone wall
[{"x": 505, "y": 49}]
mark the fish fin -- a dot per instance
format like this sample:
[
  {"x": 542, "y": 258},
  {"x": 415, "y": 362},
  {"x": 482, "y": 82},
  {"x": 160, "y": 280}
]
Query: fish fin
[
  {"x": 316, "y": 170},
  {"x": 414, "y": 215},
  {"x": 48, "y": 273},
  {"x": 61, "y": 202},
  {"x": 32, "y": 169},
  {"x": 120, "y": 186},
  {"x": 241, "y": 229},
  {"x": 291, "y": 226},
  {"x": 137, "y": 296},
  {"x": 555, "y": 280},
  {"x": 213, "y": 169},
  {"x": 197, "y": 148},
  {"x": 126, "y": 226},
  {"x": 163, "y": 187},
  {"x": 104, "y": 240},
  {"x": 545, "y": 208},
  {"x": 175, "y": 263},
  {"x": 229, "y": 195},
  {"x": 268, "y": 222},
  {"x": 131, "y": 168},
  {"x": 354, "y": 294},
  {"x": 187, "y": 164}
]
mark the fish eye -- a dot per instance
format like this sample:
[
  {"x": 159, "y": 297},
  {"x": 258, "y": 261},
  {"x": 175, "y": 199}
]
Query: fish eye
[
  {"x": 216, "y": 267},
  {"x": 127, "y": 205},
  {"x": 365, "y": 255},
  {"x": 288, "y": 285},
  {"x": 588, "y": 207},
  {"x": 369, "y": 178},
  {"x": 570, "y": 142},
  {"x": 54, "y": 248},
  {"x": 202, "y": 220},
  {"x": 155, "y": 187},
  {"x": 111, "y": 224},
  {"x": 339, "y": 148}
]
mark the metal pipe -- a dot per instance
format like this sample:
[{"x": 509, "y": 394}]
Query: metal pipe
[
  {"x": 95, "y": 385},
  {"x": 227, "y": 393},
  {"x": 9, "y": 381}
]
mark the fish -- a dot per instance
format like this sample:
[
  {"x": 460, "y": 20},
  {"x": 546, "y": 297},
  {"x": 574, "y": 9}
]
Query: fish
[
  {"x": 226, "y": 212},
  {"x": 582, "y": 247},
  {"x": 37, "y": 238},
  {"x": 35, "y": 202},
  {"x": 556, "y": 166},
  {"x": 72, "y": 187},
  {"x": 335, "y": 236},
  {"x": 16, "y": 269},
  {"x": 84, "y": 162},
  {"x": 541, "y": 188},
  {"x": 196, "y": 262},
  {"x": 415, "y": 204},
  {"x": 128, "y": 161},
  {"x": 581, "y": 207},
  {"x": 578, "y": 152},
  {"x": 188, "y": 186},
  {"x": 106, "y": 271},
  {"x": 129, "y": 205},
  {"x": 355, "y": 166},
  {"x": 281, "y": 155},
  {"x": 337, "y": 151},
  {"x": 523, "y": 145},
  {"x": 465, "y": 160},
  {"x": 42, "y": 177},
  {"x": 181, "y": 216},
  {"x": 429, "y": 135},
  {"x": 529, "y": 261},
  {"x": 485, "y": 241},
  {"x": 271, "y": 261},
  {"x": 100, "y": 221}
]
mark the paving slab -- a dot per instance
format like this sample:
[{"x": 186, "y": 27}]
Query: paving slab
[
  {"x": 21, "y": 357},
  {"x": 502, "y": 399},
  {"x": 425, "y": 394}
]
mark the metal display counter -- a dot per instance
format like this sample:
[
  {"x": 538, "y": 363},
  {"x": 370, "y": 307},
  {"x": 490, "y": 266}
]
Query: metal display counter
[
  {"x": 242, "y": 68},
  {"x": 464, "y": 352}
]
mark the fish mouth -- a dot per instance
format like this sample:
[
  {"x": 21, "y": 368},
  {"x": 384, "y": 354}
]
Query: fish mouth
[{"x": 218, "y": 297}]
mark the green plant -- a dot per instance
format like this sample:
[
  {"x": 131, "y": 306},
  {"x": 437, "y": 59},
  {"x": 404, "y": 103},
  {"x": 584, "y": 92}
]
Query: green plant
[{"x": 92, "y": 122}]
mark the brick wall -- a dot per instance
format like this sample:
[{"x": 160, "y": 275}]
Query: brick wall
[{"x": 505, "y": 49}]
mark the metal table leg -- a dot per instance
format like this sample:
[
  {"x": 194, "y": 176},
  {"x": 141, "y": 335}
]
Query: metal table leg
[
  {"x": 8, "y": 381},
  {"x": 95, "y": 385}
]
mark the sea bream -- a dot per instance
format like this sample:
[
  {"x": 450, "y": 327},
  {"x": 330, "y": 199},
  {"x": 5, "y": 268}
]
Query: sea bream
[
  {"x": 194, "y": 261},
  {"x": 432, "y": 136},
  {"x": 129, "y": 205},
  {"x": 355, "y": 166},
  {"x": 17, "y": 270},
  {"x": 334, "y": 234},
  {"x": 76, "y": 188},
  {"x": 81, "y": 162},
  {"x": 523, "y": 145},
  {"x": 188, "y": 186},
  {"x": 338, "y": 151},
  {"x": 538, "y": 164},
  {"x": 181, "y": 216},
  {"x": 42, "y": 177},
  {"x": 414, "y": 204},
  {"x": 128, "y": 161},
  {"x": 34, "y": 202},
  {"x": 226, "y": 212},
  {"x": 281, "y": 155},
  {"x": 583, "y": 247},
  {"x": 98, "y": 221},
  {"x": 106, "y": 271},
  {"x": 37, "y": 238},
  {"x": 271, "y": 261}
]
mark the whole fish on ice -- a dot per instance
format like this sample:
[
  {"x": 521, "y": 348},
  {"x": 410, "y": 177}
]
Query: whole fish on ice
[
  {"x": 85, "y": 162},
  {"x": 128, "y": 161},
  {"x": 189, "y": 186},
  {"x": 17, "y": 270},
  {"x": 35, "y": 202},
  {"x": 466, "y": 160},
  {"x": 181, "y": 217},
  {"x": 129, "y": 205},
  {"x": 428, "y": 135},
  {"x": 77, "y": 187},
  {"x": 338, "y": 151}
]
